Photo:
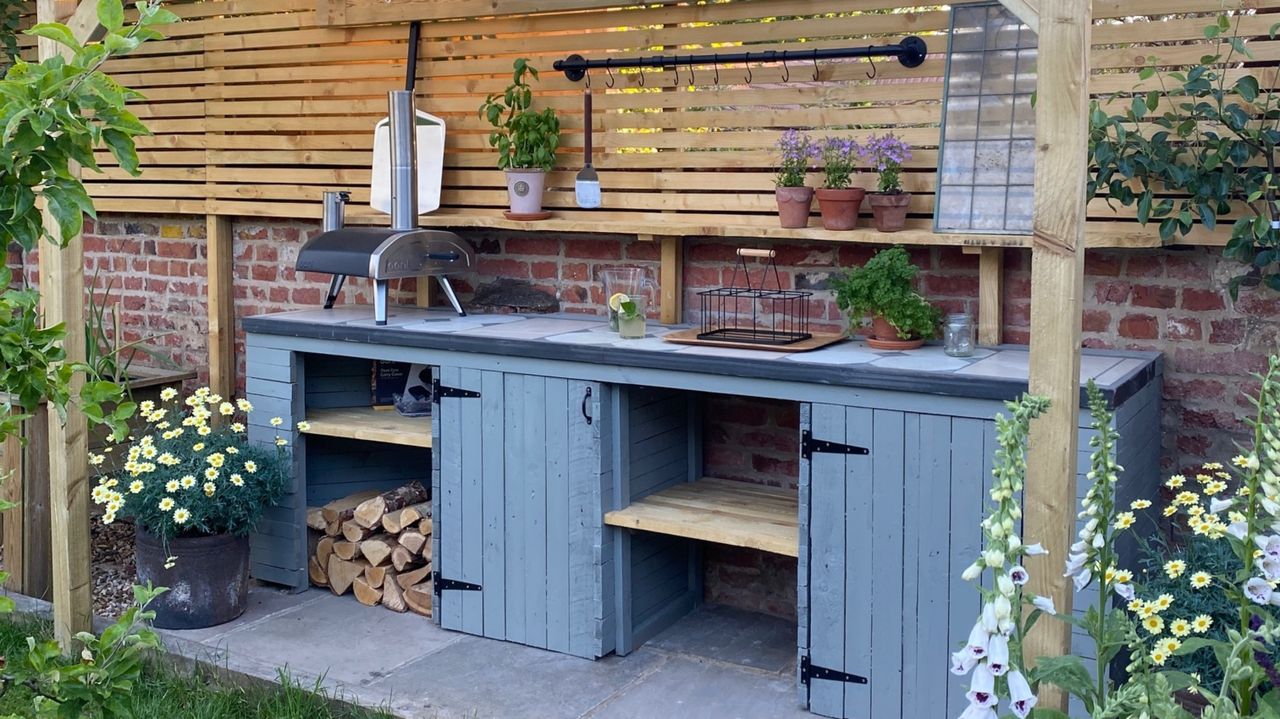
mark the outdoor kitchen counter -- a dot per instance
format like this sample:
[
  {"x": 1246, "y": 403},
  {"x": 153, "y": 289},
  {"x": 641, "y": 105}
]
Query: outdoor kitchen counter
[{"x": 509, "y": 341}]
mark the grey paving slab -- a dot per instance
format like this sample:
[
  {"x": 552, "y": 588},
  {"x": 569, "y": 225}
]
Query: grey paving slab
[
  {"x": 483, "y": 679},
  {"x": 337, "y": 637},
  {"x": 733, "y": 636},
  {"x": 691, "y": 688},
  {"x": 264, "y": 602}
]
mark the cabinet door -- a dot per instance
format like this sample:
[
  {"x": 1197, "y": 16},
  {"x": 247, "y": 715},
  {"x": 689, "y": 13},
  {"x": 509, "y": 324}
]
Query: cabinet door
[{"x": 519, "y": 509}]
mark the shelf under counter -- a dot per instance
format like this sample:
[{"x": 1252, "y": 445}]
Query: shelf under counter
[
  {"x": 370, "y": 424},
  {"x": 721, "y": 511}
]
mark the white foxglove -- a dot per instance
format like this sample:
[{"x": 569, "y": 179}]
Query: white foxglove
[
  {"x": 1269, "y": 544},
  {"x": 1004, "y": 585},
  {"x": 973, "y": 711},
  {"x": 1124, "y": 590},
  {"x": 972, "y": 572},
  {"x": 979, "y": 639},
  {"x": 1074, "y": 563},
  {"x": 1082, "y": 579},
  {"x": 1021, "y": 698},
  {"x": 1258, "y": 590},
  {"x": 982, "y": 689},
  {"x": 1270, "y": 567},
  {"x": 1018, "y": 575},
  {"x": 989, "y": 620},
  {"x": 998, "y": 655},
  {"x": 1237, "y": 530},
  {"x": 962, "y": 662},
  {"x": 1218, "y": 506},
  {"x": 1034, "y": 549},
  {"x": 1044, "y": 604}
]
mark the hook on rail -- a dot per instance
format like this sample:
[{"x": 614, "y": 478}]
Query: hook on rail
[
  {"x": 747, "y": 63},
  {"x": 872, "y": 74},
  {"x": 608, "y": 67}
]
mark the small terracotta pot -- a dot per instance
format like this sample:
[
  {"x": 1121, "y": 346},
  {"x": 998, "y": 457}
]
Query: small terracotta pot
[
  {"x": 839, "y": 208},
  {"x": 886, "y": 337},
  {"x": 524, "y": 190},
  {"x": 890, "y": 210},
  {"x": 794, "y": 205}
]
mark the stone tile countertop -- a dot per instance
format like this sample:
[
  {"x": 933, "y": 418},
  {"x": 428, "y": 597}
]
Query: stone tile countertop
[{"x": 991, "y": 373}]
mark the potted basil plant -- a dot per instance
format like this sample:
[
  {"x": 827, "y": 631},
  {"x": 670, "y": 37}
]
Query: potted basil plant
[
  {"x": 901, "y": 319},
  {"x": 526, "y": 139},
  {"x": 195, "y": 488}
]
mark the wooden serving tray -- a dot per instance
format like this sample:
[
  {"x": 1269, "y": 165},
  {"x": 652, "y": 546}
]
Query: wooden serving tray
[{"x": 817, "y": 341}]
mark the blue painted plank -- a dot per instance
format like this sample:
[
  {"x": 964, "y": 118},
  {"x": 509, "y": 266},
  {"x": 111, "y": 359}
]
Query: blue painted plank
[
  {"x": 436, "y": 505},
  {"x": 535, "y": 510},
  {"x": 450, "y": 522},
  {"x": 514, "y": 506},
  {"x": 865, "y": 490},
  {"x": 802, "y": 572},
  {"x": 472, "y": 567},
  {"x": 586, "y": 568},
  {"x": 493, "y": 437},
  {"x": 827, "y": 559},
  {"x": 557, "y": 404}
]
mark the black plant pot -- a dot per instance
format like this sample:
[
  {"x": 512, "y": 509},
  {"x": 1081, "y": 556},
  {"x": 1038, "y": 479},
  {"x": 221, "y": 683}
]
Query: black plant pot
[{"x": 208, "y": 582}]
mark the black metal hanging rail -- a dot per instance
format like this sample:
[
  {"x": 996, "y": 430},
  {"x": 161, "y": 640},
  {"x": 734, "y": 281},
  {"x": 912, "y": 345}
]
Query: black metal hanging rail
[{"x": 910, "y": 52}]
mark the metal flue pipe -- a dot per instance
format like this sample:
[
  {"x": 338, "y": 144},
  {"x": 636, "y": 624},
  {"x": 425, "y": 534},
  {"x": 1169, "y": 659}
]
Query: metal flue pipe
[{"x": 404, "y": 176}]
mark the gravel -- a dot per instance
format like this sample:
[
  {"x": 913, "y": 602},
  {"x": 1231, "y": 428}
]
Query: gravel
[{"x": 112, "y": 567}]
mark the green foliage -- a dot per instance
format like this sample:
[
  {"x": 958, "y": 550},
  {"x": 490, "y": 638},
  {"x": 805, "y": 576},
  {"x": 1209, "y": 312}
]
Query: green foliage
[
  {"x": 33, "y": 368},
  {"x": 99, "y": 684},
  {"x": 525, "y": 138},
  {"x": 107, "y": 356},
  {"x": 53, "y": 114},
  {"x": 1216, "y": 140},
  {"x": 885, "y": 286},
  {"x": 9, "y": 12},
  {"x": 186, "y": 476}
]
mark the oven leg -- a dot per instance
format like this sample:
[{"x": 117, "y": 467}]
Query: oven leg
[
  {"x": 453, "y": 298},
  {"x": 380, "y": 302},
  {"x": 335, "y": 286}
]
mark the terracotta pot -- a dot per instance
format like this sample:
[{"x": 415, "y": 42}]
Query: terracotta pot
[
  {"x": 890, "y": 210},
  {"x": 886, "y": 337},
  {"x": 794, "y": 205},
  {"x": 524, "y": 190},
  {"x": 208, "y": 580},
  {"x": 839, "y": 208}
]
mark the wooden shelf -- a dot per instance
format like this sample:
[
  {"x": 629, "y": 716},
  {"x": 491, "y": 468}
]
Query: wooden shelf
[
  {"x": 721, "y": 511},
  {"x": 373, "y": 425}
]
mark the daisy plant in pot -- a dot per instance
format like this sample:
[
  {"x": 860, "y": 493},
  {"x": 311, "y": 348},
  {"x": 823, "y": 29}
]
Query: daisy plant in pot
[
  {"x": 526, "y": 139},
  {"x": 195, "y": 488},
  {"x": 838, "y": 200},
  {"x": 884, "y": 289},
  {"x": 885, "y": 154},
  {"x": 795, "y": 199}
]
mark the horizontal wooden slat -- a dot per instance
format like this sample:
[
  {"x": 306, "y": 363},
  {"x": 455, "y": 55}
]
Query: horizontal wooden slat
[{"x": 374, "y": 425}]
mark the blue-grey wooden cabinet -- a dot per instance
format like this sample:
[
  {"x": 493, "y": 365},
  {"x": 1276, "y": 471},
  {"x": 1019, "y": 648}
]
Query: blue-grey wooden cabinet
[{"x": 519, "y": 482}]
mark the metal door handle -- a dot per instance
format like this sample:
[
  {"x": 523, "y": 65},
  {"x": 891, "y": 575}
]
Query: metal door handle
[{"x": 585, "y": 413}]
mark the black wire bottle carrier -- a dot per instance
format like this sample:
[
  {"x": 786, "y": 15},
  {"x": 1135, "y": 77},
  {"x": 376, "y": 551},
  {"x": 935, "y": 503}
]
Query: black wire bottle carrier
[{"x": 755, "y": 314}]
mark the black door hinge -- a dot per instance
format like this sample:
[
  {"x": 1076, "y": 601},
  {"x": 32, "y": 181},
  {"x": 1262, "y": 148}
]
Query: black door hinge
[
  {"x": 440, "y": 391},
  {"x": 810, "y": 671},
  {"x": 440, "y": 584},
  {"x": 809, "y": 445}
]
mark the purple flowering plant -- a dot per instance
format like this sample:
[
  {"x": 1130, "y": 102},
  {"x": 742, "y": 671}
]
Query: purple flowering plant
[
  {"x": 886, "y": 153},
  {"x": 798, "y": 153},
  {"x": 838, "y": 161}
]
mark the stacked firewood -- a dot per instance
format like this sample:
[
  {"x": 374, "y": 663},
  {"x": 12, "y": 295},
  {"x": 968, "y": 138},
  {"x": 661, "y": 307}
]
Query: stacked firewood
[{"x": 376, "y": 545}]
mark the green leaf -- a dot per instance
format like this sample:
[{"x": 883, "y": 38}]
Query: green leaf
[
  {"x": 1248, "y": 88},
  {"x": 1067, "y": 673},
  {"x": 111, "y": 15},
  {"x": 57, "y": 32}
]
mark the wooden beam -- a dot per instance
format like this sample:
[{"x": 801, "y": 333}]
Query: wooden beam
[
  {"x": 62, "y": 296},
  {"x": 990, "y": 295},
  {"x": 1057, "y": 283},
  {"x": 1028, "y": 11},
  {"x": 26, "y": 527},
  {"x": 84, "y": 24},
  {"x": 222, "y": 314},
  {"x": 671, "y": 280},
  {"x": 362, "y": 12}
]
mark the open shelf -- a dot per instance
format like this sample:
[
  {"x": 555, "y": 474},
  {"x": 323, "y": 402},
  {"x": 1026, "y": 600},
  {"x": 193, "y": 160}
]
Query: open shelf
[
  {"x": 370, "y": 424},
  {"x": 721, "y": 511}
]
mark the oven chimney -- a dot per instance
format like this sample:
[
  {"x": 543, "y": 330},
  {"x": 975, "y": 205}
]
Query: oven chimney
[{"x": 404, "y": 153}]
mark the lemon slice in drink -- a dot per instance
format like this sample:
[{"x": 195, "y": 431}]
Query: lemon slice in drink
[{"x": 615, "y": 301}]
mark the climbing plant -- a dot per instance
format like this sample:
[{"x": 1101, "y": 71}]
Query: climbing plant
[{"x": 10, "y": 12}]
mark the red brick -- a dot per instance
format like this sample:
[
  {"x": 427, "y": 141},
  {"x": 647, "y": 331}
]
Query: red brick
[
  {"x": 853, "y": 256},
  {"x": 267, "y": 253},
  {"x": 951, "y": 285},
  {"x": 1227, "y": 332},
  {"x": 953, "y": 258},
  {"x": 782, "y": 468},
  {"x": 1144, "y": 266},
  {"x": 575, "y": 272},
  {"x": 1096, "y": 320},
  {"x": 1112, "y": 293},
  {"x": 700, "y": 277},
  {"x": 180, "y": 250},
  {"x": 1197, "y": 445},
  {"x": 593, "y": 249},
  {"x": 1198, "y": 300},
  {"x": 797, "y": 255},
  {"x": 533, "y": 246},
  {"x": 1180, "y": 389},
  {"x": 265, "y": 273},
  {"x": 1139, "y": 327},
  {"x": 1229, "y": 362},
  {"x": 543, "y": 270},
  {"x": 1102, "y": 264},
  {"x": 1017, "y": 314},
  {"x": 646, "y": 251},
  {"x": 493, "y": 266},
  {"x": 1154, "y": 296},
  {"x": 1182, "y": 329},
  {"x": 711, "y": 252}
]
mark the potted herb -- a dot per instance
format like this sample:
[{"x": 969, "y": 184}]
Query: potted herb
[
  {"x": 795, "y": 200},
  {"x": 526, "y": 139},
  {"x": 886, "y": 153},
  {"x": 837, "y": 200},
  {"x": 883, "y": 288},
  {"x": 195, "y": 488}
]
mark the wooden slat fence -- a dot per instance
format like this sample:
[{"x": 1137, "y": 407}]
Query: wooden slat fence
[{"x": 260, "y": 105}]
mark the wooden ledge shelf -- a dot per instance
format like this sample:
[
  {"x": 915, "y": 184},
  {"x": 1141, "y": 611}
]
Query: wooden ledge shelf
[
  {"x": 372, "y": 425},
  {"x": 721, "y": 511}
]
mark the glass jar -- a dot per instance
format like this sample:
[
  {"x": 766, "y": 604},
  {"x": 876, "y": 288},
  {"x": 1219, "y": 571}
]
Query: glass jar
[{"x": 957, "y": 335}]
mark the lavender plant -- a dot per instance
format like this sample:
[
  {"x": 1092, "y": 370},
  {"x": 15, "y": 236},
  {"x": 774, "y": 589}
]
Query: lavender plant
[
  {"x": 885, "y": 154},
  {"x": 798, "y": 153},
  {"x": 839, "y": 161}
]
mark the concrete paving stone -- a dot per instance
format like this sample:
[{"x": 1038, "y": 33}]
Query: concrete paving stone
[
  {"x": 488, "y": 679},
  {"x": 339, "y": 638},
  {"x": 263, "y": 602},
  {"x": 691, "y": 688},
  {"x": 733, "y": 636}
]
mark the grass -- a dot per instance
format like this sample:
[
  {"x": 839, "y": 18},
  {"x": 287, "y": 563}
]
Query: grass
[{"x": 165, "y": 693}]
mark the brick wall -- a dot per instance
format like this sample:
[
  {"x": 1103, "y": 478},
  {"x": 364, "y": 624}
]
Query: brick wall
[{"x": 1166, "y": 300}]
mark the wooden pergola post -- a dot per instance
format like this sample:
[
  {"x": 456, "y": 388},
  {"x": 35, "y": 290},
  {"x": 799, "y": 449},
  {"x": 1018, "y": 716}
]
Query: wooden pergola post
[
  {"x": 1057, "y": 280},
  {"x": 62, "y": 297}
]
